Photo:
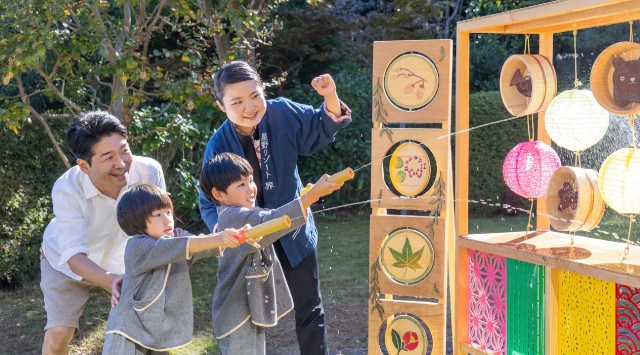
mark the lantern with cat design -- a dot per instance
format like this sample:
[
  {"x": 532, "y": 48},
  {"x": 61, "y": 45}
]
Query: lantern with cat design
[
  {"x": 574, "y": 201},
  {"x": 615, "y": 78},
  {"x": 527, "y": 83}
]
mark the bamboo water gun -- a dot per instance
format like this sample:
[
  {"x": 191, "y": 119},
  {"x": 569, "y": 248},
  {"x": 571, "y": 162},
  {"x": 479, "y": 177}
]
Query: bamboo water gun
[
  {"x": 341, "y": 176},
  {"x": 265, "y": 228}
]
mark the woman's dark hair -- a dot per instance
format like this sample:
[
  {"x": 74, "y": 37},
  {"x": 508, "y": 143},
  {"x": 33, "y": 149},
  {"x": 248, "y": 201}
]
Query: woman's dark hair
[
  {"x": 137, "y": 204},
  {"x": 231, "y": 73},
  {"x": 223, "y": 170},
  {"x": 88, "y": 128}
]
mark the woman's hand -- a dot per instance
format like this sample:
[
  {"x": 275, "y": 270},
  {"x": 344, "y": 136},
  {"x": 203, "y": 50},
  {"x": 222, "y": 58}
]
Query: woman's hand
[{"x": 324, "y": 85}]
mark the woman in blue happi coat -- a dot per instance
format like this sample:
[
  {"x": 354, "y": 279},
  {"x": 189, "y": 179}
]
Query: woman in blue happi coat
[{"x": 271, "y": 135}]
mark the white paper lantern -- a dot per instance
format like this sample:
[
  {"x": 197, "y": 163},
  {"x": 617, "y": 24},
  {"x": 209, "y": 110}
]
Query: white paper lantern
[
  {"x": 575, "y": 120},
  {"x": 619, "y": 181}
]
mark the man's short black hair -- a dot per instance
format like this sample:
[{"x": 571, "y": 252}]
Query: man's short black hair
[
  {"x": 88, "y": 128},
  {"x": 223, "y": 170},
  {"x": 137, "y": 204}
]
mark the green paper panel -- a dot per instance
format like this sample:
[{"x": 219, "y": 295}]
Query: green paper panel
[{"x": 525, "y": 308}]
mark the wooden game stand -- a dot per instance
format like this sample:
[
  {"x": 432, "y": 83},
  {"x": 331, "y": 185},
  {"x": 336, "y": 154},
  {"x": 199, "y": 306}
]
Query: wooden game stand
[{"x": 597, "y": 258}]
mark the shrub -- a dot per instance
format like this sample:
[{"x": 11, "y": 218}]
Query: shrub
[
  {"x": 487, "y": 148},
  {"x": 29, "y": 167},
  {"x": 352, "y": 147}
]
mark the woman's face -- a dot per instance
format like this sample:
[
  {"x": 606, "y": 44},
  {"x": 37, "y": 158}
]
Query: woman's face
[{"x": 244, "y": 105}]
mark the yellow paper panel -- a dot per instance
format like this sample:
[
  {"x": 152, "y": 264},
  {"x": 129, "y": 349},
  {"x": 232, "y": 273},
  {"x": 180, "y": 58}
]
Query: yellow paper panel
[{"x": 587, "y": 315}]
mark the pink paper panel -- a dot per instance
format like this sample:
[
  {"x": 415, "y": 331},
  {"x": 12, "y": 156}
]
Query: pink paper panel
[{"x": 487, "y": 301}]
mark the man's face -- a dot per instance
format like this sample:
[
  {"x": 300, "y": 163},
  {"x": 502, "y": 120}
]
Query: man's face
[
  {"x": 244, "y": 105},
  {"x": 109, "y": 165}
]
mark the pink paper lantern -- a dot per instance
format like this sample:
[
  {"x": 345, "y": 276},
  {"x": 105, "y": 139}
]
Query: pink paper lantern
[{"x": 528, "y": 167}]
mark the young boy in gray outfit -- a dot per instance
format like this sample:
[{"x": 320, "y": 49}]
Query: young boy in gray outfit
[
  {"x": 251, "y": 293},
  {"x": 153, "y": 312}
]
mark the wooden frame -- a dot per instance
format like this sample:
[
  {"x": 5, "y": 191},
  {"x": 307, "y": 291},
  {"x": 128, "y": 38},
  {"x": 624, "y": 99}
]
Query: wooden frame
[
  {"x": 438, "y": 53},
  {"x": 438, "y": 145},
  {"x": 411, "y": 196},
  {"x": 544, "y": 21}
]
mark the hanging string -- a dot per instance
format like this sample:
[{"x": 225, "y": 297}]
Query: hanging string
[
  {"x": 531, "y": 127},
  {"x": 632, "y": 219},
  {"x": 577, "y": 162},
  {"x": 576, "y": 82},
  {"x": 630, "y": 31},
  {"x": 527, "y": 44},
  {"x": 572, "y": 234},
  {"x": 529, "y": 226},
  {"x": 632, "y": 123}
]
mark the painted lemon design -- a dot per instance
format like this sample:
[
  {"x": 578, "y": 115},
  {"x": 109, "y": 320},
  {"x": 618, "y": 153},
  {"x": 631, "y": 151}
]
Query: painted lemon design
[{"x": 409, "y": 169}]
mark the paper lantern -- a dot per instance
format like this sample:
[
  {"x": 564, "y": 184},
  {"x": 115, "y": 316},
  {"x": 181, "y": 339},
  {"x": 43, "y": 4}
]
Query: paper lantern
[
  {"x": 575, "y": 120},
  {"x": 574, "y": 201},
  {"x": 619, "y": 181},
  {"x": 528, "y": 167}
]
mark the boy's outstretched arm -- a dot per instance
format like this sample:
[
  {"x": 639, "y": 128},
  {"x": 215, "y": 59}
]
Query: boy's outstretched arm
[
  {"x": 326, "y": 87},
  {"x": 321, "y": 188},
  {"x": 228, "y": 238}
]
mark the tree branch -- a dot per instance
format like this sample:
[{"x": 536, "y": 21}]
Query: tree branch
[
  {"x": 43, "y": 123},
  {"x": 72, "y": 106},
  {"x": 155, "y": 130}
]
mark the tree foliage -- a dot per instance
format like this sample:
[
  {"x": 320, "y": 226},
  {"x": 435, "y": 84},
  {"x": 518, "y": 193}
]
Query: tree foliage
[{"x": 62, "y": 58}]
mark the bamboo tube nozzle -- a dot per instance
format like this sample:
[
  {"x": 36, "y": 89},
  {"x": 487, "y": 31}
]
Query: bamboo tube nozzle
[
  {"x": 341, "y": 176},
  {"x": 265, "y": 228}
]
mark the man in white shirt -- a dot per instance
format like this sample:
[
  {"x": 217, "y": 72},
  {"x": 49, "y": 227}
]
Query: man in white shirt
[{"x": 83, "y": 246}]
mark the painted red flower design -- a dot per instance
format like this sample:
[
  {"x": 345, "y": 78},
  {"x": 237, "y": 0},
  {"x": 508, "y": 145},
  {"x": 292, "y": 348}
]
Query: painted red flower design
[{"x": 408, "y": 342}]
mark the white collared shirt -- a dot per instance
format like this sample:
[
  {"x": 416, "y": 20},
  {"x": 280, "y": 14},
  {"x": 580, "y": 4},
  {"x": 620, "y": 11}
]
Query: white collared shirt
[{"x": 85, "y": 219}]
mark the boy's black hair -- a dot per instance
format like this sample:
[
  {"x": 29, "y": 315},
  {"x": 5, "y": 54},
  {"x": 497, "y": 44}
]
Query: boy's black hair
[
  {"x": 231, "y": 73},
  {"x": 88, "y": 128},
  {"x": 223, "y": 170},
  {"x": 137, "y": 204}
]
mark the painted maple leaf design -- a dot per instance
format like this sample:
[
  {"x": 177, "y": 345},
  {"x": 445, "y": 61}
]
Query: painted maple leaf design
[
  {"x": 568, "y": 197},
  {"x": 407, "y": 259}
]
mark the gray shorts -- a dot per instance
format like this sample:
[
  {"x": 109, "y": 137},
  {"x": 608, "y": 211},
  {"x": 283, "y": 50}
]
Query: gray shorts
[
  {"x": 64, "y": 297},
  {"x": 116, "y": 344},
  {"x": 248, "y": 339}
]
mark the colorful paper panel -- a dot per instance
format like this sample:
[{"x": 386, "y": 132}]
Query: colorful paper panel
[
  {"x": 487, "y": 300},
  {"x": 586, "y": 318},
  {"x": 627, "y": 320},
  {"x": 525, "y": 308}
]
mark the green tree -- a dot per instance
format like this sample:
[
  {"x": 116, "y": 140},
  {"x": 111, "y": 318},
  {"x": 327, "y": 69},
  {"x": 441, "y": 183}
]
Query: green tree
[
  {"x": 61, "y": 58},
  {"x": 150, "y": 63}
]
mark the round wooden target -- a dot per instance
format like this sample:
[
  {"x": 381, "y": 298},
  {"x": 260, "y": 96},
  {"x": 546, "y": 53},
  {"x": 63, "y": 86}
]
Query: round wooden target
[
  {"x": 410, "y": 169},
  {"x": 406, "y": 256},
  {"x": 405, "y": 334},
  {"x": 411, "y": 81}
]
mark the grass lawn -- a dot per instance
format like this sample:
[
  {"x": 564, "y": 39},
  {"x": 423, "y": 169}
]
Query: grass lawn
[{"x": 343, "y": 256}]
